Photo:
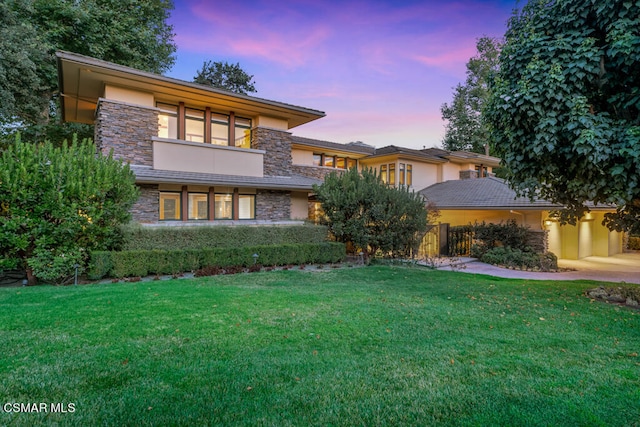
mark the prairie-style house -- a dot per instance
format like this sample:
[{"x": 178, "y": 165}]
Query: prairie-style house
[{"x": 206, "y": 155}]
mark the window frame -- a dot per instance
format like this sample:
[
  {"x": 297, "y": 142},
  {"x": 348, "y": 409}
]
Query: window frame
[
  {"x": 215, "y": 206},
  {"x": 161, "y": 209},
  {"x": 189, "y": 206},
  {"x": 253, "y": 209}
]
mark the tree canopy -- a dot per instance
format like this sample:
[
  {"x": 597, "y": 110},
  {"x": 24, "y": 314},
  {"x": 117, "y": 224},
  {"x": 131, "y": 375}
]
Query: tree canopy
[
  {"x": 565, "y": 106},
  {"x": 361, "y": 210},
  {"x": 465, "y": 129},
  {"x": 226, "y": 76},
  {"x": 57, "y": 204},
  {"x": 128, "y": 32}
]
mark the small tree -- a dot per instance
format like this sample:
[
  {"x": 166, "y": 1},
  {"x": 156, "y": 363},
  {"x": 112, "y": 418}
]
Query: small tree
[
  {"x": 225, "y": 76},
  {"x": 360, "y": 209},
  {"x": 57, "y": 204}
]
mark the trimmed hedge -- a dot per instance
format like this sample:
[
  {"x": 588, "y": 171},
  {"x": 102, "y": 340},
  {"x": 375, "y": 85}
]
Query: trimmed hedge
[
  {"x": 206, "y": 237},
  {"x": 147, "y": 262},
  {"x": 516, "y": 258}
]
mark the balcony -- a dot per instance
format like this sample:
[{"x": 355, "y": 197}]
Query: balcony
[{"x": 184, "y": 156}]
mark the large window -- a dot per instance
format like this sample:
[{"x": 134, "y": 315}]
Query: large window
[
  {"x": 317, "y": 160},
  {"x": 246, "y": 206},
  {"x": 383, "y": 173},
  {"x": 392, "y": 174},
  {"x": 401, "y": 174},
  {"x": 190, "y": 124},
  {"x": 409, "y": 175},
  {"x": 194, "y": 125},
  {"x": 168, "y": 121},
  {"x": 198, "y": 206},
  {"x": 242, "y": 132},
  {"x": 223, "y": 206},
  {"x": 219, "y": 129},
  {"x": 170, "y": 206}
]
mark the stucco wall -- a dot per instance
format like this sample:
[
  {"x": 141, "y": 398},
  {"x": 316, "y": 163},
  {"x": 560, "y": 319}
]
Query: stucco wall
[{"x": 206, "y": 158}]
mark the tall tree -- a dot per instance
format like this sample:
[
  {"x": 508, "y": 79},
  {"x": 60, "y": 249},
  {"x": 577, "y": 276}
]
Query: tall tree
[
  {"x": 565, "y": 106},
  {"x": 226, "y": 76},
  {"x": 128, "y": 32},
  {"x": 362, "y": 210},
  {"x": 57, "y": 204},
  {"x": 465, "y": 129}
]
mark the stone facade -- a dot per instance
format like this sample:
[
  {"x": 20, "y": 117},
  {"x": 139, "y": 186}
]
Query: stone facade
[
  {"x": 468, "y": 174},
  {"x": 317, "y": 172},
  {"x": 277, "y": 144},
  {"x": 538, "y": 240},
  {"x": 147, "y": 207},
  {"x": 273, "y": 205},
  {"x": 127, "y": 129}
]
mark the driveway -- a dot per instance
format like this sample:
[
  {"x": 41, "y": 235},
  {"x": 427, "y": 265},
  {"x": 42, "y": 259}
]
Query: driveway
[{"x": 618, "y": 268}]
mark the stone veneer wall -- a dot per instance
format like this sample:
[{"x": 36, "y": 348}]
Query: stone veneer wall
[
  {"x": 273, "y": 205},
  {"x": 538, "y": 240},
  {"x": 468, "y": 174},
  {"x": 317, "y": 172},
  {"x": 127, "y": 129},
  {"x": 147, "y": 207},
  {"x": 277, "y": 144}
]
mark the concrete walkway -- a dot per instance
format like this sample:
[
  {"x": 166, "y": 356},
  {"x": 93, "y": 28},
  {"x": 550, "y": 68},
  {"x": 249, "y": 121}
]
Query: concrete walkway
[{"x": 618, "y": 268}]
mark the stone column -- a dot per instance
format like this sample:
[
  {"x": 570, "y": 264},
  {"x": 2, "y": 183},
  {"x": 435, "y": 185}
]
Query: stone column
[
  {"x": 277, "y": 144},
  {"x": 126, "y": 129}
]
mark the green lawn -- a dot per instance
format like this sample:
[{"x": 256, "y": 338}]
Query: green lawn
[{"x": 356, "y": 346}]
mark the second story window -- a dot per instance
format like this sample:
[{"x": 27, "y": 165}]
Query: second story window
[
  {"x": 383, "y": 173},
  {"x": 317, "y": 160},
  {"x": 191, "y": 124},
  {"x": 168, "y": 121},
  {"x": 194, "y": 125},
  {"x": 219, "y": 129},
  {"x": 242, "y": 132},
  {"x": 392, "y": 174}
]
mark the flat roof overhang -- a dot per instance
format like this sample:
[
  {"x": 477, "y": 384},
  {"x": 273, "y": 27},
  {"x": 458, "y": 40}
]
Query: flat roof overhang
[
  {"x": 82, "y": 80},
  {"x": 146, "y": 175}
]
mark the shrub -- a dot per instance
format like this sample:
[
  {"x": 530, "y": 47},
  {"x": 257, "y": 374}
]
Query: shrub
[
  {"x": 142, "y": 263},
  {"x": 516, "y": 258},
  {"x": 202, "y": 237},
  {"x": 508, "y": 234},
  {"x": 634, "y": 243},
  {"x": 57, "y": 203},
  {"x": 100, "y": 265}
]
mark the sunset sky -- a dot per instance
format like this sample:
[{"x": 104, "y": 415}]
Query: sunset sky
[{"x": 380, "y": 70}]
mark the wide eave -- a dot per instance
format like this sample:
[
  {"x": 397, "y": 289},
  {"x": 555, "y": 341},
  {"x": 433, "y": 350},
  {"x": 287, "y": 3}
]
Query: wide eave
[{"x": 82, "y": 81}]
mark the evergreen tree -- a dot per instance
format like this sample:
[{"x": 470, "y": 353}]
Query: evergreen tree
[
  {"x": 225, "y": 76},
  {"x": 465, "y": 128},
  {"x": 363, "y": 211},
  {"x": 57, "y": 204}
]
